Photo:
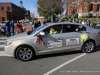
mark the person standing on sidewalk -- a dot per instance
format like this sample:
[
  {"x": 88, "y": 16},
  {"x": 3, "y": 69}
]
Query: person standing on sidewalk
[
  {"x": 23, "y": 26},
  {"x": 88, "y": 22},
  {"x": 7, "y": 26},
  {"x": 77, "y": 21},
  {"x": 32, "y": 24},
  {"x": 83, "y": 22},
  {"x": 18, "y": 27},
  {"x": 12, "y": 27}
]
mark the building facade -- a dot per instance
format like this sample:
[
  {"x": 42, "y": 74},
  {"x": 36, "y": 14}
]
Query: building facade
[
  {"x": 80, "y": 8},
  {"x": 10, "y": 11}
]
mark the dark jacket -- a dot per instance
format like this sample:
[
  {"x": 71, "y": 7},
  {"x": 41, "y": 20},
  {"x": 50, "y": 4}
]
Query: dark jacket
[
  {"x": 7, "y": 25},
  {"x": 12, "y": 24}
]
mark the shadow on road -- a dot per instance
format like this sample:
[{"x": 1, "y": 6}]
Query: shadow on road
[
  {"x": 63, "y": 54},
  {"x": 97, "y": 49}
]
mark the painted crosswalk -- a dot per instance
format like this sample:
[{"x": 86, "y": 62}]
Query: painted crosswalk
[
  {"x": 2, "y": 46},
  {"x": 2, "y": 53},
  {"x": 2, "y": 41}
]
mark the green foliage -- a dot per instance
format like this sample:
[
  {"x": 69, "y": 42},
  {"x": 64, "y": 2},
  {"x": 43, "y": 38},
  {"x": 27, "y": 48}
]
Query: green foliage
[
  {"x": 49, "y": 7},
  {"x": 93, "y": 20}
]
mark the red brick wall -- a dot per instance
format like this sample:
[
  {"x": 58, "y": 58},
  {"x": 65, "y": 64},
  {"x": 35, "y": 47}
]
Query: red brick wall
[
  {"x": 95, "y": 8},
  {"x": 15, "y": 13},
  {"x": 81, "y": 6}
]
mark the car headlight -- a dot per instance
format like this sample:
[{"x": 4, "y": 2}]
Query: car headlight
[{"x": 7, "y": 43}]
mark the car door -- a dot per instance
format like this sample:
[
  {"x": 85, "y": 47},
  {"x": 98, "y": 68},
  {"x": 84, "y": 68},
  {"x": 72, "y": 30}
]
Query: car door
[
  {"x": 51, "y": 42},
  {"x": 72, "y": 37}
]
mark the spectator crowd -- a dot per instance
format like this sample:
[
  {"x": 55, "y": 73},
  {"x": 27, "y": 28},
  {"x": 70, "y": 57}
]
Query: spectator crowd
[{"x": 9, "y": 28}]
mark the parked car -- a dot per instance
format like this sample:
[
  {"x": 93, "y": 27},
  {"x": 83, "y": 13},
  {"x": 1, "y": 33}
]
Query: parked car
[{"x": 53, "y": 38}]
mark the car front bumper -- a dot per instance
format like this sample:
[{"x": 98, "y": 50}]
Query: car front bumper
[{"x": 9, "y": 50}]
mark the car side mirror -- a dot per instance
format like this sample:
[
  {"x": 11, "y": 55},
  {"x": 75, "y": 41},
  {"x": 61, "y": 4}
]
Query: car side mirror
[
  {"x": 42, "y": 33},
  {"x": 29, "y": 32}
]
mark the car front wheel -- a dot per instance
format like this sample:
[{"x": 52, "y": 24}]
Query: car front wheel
[
  {"x": 24, "y": 53},
  {"x": 88, "y": 47}
]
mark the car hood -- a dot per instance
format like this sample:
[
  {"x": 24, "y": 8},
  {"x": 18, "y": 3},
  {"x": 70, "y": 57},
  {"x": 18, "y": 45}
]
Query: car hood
[{"x": 18, "y": 36}]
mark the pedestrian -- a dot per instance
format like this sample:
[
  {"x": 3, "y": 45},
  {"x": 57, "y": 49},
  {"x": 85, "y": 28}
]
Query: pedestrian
[
  {"x": 48, "y": 20},
  {"x": 18, "y": 27},
  {"x": 77, "y": 21},
  {"x": 11, "y": 31},
  {"x": 88, "y": 22},
  {"x": 7, "y": 25},
  {"x": 3, "y": 31},
  {"x": 83, "y": 22},
  {"x": 32, "y": 24},
  {"x": 39, "y": 23},
  {"x": 98, "y": 26},
  {"x": 70, "y": 20},
  {"x": 12, "y": 27},
  {"x": 23, "y": 26},
  {"x": 66, "y": 20},
  {"x": 35, "y": 23},
  {"x": 80, "y": 21}
]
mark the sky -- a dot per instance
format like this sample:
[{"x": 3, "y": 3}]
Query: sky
[{"x": 28, "y": 4}]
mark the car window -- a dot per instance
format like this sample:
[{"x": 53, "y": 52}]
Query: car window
[
  {"x": 81, "y": 28},
  {"x": 40, "y": 27},
  {"x": 74, "y": 28},
  {"x": 53, "y": 29}
]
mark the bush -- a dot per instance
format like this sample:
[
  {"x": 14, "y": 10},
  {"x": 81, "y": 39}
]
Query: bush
[{"x": 93, "y": 20}]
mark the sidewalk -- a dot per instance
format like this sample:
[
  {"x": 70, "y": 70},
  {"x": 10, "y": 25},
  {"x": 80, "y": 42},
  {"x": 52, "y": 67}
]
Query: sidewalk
[{"x": 28, "y": 27}]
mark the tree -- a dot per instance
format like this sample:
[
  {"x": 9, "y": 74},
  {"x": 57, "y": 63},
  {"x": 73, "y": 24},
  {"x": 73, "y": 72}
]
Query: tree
[
  {"x": 49, "y": 7},
  {"x": 74, "y": 5},
  {"x": 32, "y": 15}
]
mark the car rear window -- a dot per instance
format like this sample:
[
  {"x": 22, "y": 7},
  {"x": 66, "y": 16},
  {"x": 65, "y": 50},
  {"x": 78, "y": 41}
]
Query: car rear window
[{"x": 73, "y": 28}]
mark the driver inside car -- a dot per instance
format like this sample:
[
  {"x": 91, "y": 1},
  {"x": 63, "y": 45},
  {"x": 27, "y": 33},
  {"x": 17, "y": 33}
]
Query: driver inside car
[{"x": 53, "y": 30}]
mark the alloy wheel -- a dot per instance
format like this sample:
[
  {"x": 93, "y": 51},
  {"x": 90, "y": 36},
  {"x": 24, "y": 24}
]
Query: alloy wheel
[{"x": 88, "y": 47}]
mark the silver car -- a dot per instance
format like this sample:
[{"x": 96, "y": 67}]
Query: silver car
[{"x": 52, "y": 38}]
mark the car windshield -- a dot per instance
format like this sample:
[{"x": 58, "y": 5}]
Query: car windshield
[{"x": 32, "y": 32}]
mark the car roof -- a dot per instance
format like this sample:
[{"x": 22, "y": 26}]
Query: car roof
[
  {"x": 73, "y": 23},
  {"x": 64, "y": 23}
]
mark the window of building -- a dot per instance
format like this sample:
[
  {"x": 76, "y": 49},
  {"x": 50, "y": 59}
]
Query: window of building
[
  {"x": 2, "y": 8},
  {"x": 13, "y": 8},
  {"x": 8, "y": 8},
  {"x": 98, "y": 7},
  {"x": 3, "y": 19},
  {"x": 91, "y": 7},
  {"x": 16, "y": 10}
]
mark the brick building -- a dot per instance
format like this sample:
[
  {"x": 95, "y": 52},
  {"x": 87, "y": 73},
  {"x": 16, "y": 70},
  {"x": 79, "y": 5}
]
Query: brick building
[
  {"x": 10, "y": 11},
  {"x": 82, "y": 7}
]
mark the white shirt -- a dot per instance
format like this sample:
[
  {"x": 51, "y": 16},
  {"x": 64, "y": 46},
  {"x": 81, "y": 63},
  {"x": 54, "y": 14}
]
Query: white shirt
[{"x": 83, "y": 22}]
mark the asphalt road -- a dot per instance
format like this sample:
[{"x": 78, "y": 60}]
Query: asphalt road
[{"x": 68, "y": 63}]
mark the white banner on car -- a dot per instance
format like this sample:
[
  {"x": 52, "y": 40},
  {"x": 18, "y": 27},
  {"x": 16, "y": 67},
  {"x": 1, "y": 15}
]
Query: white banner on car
[
  {"x": 72, "y": 41},
  {"x": 53, "y": 44}
]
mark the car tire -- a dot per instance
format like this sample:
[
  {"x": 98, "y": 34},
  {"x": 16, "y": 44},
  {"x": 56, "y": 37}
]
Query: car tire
[
  {"x": 88, "y": 47},
  {"x": 25, "y": 53}
]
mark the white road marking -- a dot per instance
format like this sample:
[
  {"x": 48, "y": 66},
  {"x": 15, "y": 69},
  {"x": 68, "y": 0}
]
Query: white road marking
[
  {"x": 2, "y": 53},
  {"x": 53, "y": 70},
  {"x": 2, "y": 46}
]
